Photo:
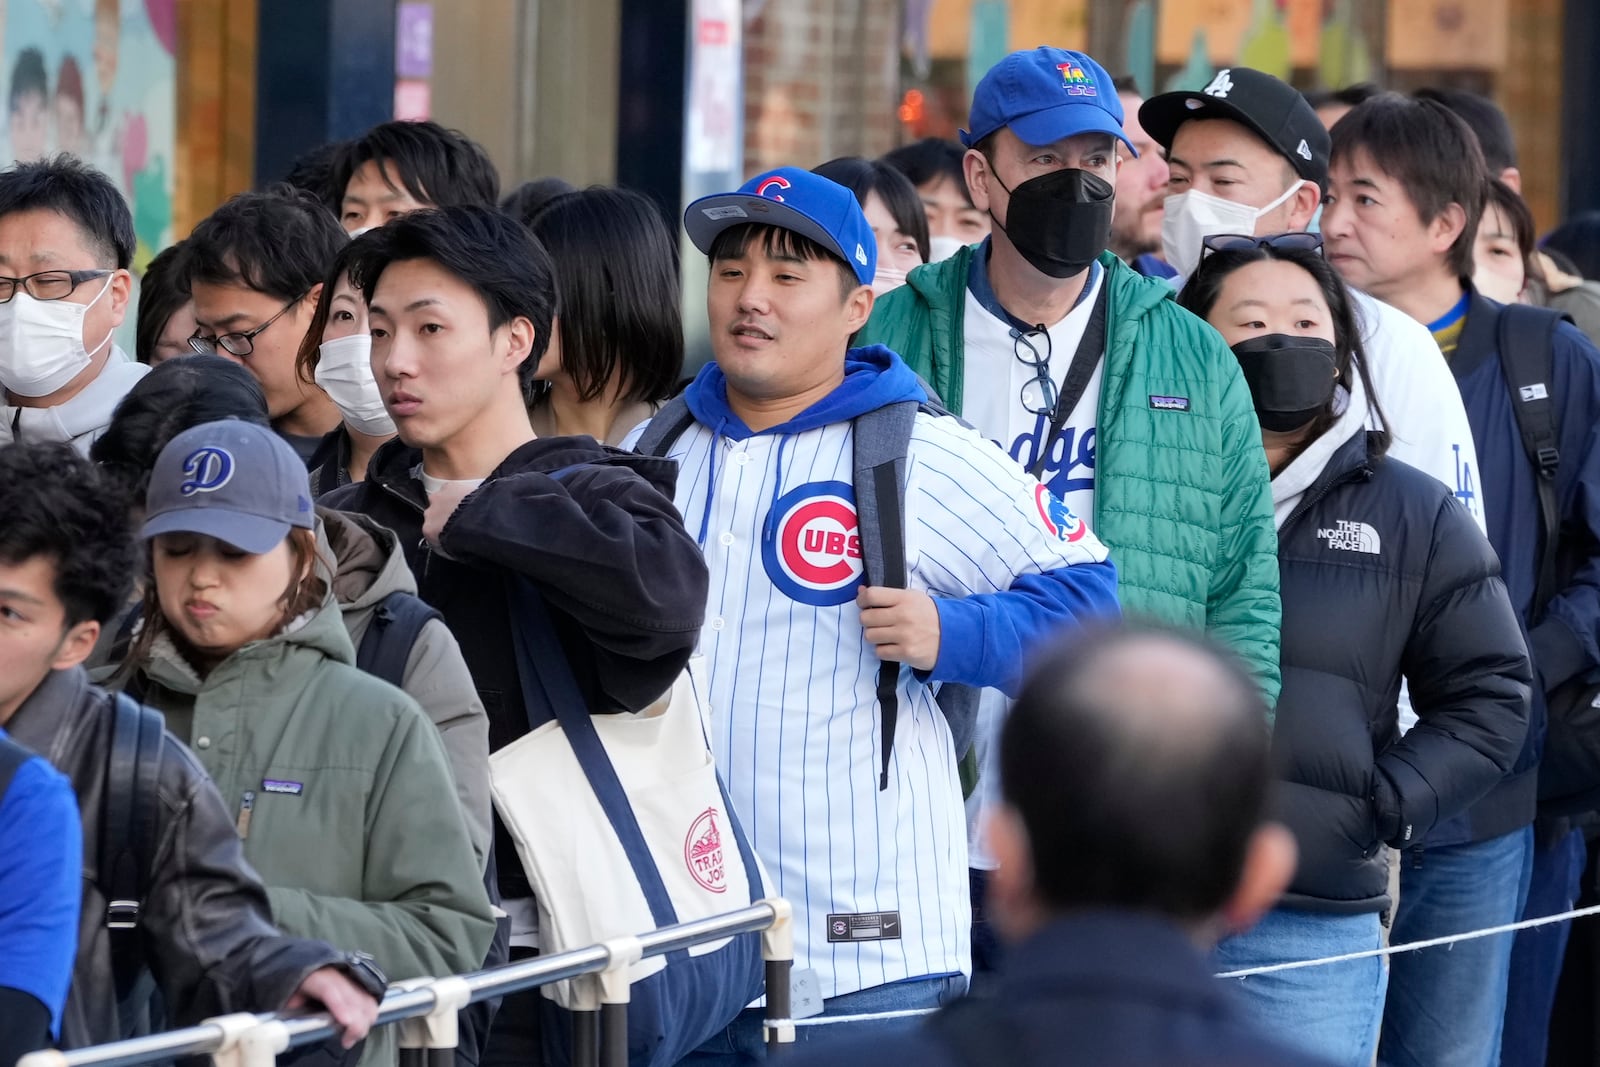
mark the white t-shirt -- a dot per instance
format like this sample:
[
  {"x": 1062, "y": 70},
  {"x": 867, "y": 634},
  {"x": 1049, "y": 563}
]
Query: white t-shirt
[{"x": 992, "y": 392}]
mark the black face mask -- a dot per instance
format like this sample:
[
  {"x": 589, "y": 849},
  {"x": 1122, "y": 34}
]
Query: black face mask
[
  {"x": 1291, "y": 378},
  {"x": 1060, "y": 221}
]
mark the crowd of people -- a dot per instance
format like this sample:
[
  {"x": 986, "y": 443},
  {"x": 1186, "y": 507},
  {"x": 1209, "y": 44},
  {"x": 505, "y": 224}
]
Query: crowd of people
[{"x": 1152, "y": 538}]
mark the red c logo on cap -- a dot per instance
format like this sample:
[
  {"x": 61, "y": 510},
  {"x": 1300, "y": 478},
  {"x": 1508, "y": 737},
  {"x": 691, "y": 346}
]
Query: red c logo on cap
[{"x": 778, "y": 182}]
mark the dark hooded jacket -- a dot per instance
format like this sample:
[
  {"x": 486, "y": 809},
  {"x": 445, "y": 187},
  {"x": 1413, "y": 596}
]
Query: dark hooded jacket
[{"x": 604, "y": 545}]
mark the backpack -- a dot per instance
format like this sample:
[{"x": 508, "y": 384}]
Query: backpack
[
  {"x": 881, "y": 439},
  {"x": 396, "y": 625},
  {"x": 1569, "y": 769},
  {"x": 126, "y": 850}
]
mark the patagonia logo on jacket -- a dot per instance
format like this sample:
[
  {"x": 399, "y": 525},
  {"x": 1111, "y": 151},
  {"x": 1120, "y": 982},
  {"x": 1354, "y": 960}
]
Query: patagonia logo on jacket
[
  {"x": 1349, "y": 536},
  {"x": 277, "y": 785},
  {"x": 1170, "y": 403}
]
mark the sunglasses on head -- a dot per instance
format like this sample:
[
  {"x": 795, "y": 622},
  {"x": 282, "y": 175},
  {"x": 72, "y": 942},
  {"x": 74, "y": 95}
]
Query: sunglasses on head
[{"x": 1300, "y": 241}]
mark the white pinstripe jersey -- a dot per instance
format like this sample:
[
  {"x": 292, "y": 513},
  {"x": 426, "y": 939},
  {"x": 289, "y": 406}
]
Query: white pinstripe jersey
[{"x": 794, "y": 718}]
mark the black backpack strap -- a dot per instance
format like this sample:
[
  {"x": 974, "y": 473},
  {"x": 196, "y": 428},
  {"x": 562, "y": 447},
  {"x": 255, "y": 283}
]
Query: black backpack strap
[
  {"x": 881, "y": 440},
  {"x": 1527, "y": 359},
  {"x": 665, "y": 427},
  {"x": 12, "y": 757},
  {"x": 396, "y": 624},
  {"x": 128, "y": 833}
]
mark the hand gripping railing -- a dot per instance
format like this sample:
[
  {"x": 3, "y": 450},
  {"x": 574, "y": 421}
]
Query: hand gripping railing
[{"x": 425, "y": 1008}]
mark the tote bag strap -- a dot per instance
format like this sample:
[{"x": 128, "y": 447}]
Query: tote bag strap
[{"x": 549, "y": 691}]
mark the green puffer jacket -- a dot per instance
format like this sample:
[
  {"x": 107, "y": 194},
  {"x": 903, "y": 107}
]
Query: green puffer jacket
[
  {"x": 354, "y": 826},
  {"x": 1182, "y": 497}
]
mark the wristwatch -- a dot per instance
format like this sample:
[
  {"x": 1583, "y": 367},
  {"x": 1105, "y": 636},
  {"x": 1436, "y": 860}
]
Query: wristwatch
[{"x": 366, "y": 972}]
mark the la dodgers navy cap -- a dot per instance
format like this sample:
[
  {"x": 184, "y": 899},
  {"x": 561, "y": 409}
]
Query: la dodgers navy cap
[
  {"x": 791, "y": 199},
  {"x": 1044, "y": 96},
  {"x": 1269, "y": 106},
  {"x": 236, "y": 481}
]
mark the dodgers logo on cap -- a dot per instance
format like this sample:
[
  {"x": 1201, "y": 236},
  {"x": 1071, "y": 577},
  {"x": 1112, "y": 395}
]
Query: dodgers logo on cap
[
  {"x": 1076, "y": 80},
  {"x": 207, "y": 470},
  {"x": 1059, "y": 521},
  {"x": 813, "y": 554}
]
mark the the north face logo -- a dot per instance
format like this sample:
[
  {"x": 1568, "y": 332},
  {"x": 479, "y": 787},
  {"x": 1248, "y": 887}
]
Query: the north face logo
[{"x": 1350, "y": 536}]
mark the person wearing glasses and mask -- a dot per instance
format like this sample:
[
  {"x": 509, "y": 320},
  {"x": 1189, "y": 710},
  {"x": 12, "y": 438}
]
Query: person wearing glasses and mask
[
  {"x": 256, "y": 267},
  {"x": 1356, "y": 528},
  {"x": 66, "y": 241},
  {"x": 1247, "y": 154}
]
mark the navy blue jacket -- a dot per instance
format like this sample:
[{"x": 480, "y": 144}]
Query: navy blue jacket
[
  {"x": 1099, "y": 989},
  {"x": 1372, "y": 531},
  {"x": 1563, "y": 645}
]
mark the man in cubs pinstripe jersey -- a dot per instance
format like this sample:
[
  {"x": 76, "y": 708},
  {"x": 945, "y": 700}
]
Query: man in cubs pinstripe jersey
[{"x": 793, "y": 638}]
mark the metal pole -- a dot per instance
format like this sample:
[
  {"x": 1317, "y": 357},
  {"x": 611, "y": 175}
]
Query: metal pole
[
  {"x": 777, "y": 949},
  {"x": 614, "y": 1035},
  {"x": 586, "y": 1039}
]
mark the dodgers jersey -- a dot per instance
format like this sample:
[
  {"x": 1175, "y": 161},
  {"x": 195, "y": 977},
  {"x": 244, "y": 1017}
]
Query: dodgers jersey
[{"x": 878, "y": 878}]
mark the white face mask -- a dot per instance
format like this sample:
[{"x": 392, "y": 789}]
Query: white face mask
[
  {"x": 357, "y": 233},
  {"x": 1190, "y": 217},
  {"x": 344, "y": 371},
  {"x": 41, "y": 343},
  {"x": 942, "y": 248},
  {"x": 887, "y": 280}
]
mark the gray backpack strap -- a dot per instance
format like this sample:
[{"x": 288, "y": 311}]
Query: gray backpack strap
[
  {"x": 882, "y": 439},
  {"x": 12, "y": 757},
  {"x": 666, "y": 427}
]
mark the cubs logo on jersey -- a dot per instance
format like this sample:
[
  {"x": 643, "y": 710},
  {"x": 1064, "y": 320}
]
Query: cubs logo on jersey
[
  {"x": 812, "y": 552},
  {"x": 1059, "y": 521}
]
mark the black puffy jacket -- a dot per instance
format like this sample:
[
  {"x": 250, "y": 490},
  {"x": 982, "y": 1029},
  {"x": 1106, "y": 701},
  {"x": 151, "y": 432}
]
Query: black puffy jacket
[{"x": 1384, "y": 573}]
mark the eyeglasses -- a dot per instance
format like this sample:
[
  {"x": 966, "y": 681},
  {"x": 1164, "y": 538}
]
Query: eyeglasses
[
  {"x": 1298, "y": 241},
  {"x": 1039, "y": 396},
  {"x": 47, "y": 284},
  {"x": 237, "y": 344}
]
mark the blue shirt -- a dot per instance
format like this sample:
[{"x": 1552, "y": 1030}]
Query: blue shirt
[{"x": 41, "y": 889}]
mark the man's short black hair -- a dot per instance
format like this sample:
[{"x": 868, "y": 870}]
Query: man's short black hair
[
  {"x": 1350, "y": 96},
  {"x": 29, "y": 76},
  {"x": 279, "y": 242},
  {"x": 55, "y": 504},
  {"x": 529, "y": 198},
  {"x": 617, "y": 271},
  {"x": 70, "y": 187},
  {"x": 1129, "y": 801},
  {"x": 315, "y": 170},
  {"x": 175, "y": 396},
  {"x": 1578, "y": 240},
  {"x": 929, "y": 160},
  {"x": 778, "y": 242},
  {"x": 163, "y": 289},
  {"x": 1425, "y": 147},
  {"x": 487, "y": 249},
  {"x": 864, "y": 177},
  {"x": 1486, "y": 120},
  {"x": 437, "y": 166}
]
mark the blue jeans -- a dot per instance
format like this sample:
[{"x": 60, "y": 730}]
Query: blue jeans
[
  {"x": 1332, "y": 1011},
  {"x": 1447, "y": 1004},
  {"x": 1536, "y": 959},
  {"x": 741, "y": 1043}
]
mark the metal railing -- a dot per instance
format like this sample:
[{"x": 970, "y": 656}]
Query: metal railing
[{"x": 425, "y": 1008}]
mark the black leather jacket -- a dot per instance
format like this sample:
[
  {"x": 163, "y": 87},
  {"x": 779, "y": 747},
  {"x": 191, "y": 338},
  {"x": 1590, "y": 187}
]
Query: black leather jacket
[{"x": 206, "y": 927}]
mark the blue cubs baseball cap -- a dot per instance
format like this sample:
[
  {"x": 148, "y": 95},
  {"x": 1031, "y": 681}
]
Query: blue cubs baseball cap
[
  {"x": 1045, "y": 95},
  {"x": 791, "y": 199},
  {"x": 236, "y": 481}
]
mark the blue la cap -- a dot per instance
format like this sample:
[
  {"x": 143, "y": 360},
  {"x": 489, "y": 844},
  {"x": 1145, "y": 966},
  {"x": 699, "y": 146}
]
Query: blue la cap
[
  {"x": 236, "y": 481},
  {"x": 1046, "y": 95},
  {"x": 791, "y": 199}
]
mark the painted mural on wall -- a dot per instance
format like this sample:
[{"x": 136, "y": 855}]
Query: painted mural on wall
[{"x": 95, "y": 78}]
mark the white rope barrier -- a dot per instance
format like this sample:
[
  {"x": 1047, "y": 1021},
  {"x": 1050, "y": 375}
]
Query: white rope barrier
[
  {"x": 1414, "y": 946},
  {"x": 1387, "y": 950}
]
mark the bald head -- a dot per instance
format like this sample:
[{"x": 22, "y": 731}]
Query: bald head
[{"x": 1138, "y": 762}]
